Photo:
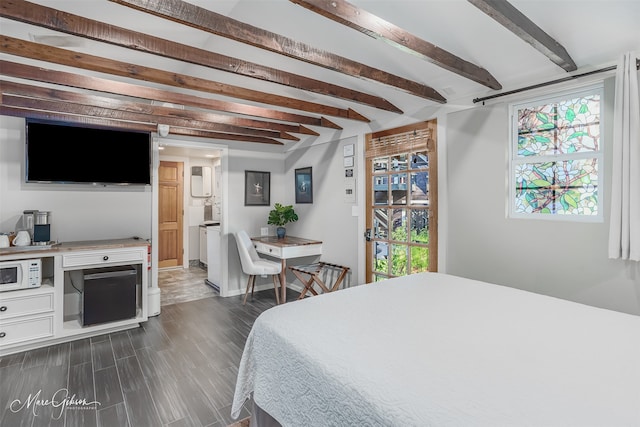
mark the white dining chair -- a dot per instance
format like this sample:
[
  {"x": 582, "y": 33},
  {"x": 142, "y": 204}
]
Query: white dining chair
[{"x": 254, "y": 266}]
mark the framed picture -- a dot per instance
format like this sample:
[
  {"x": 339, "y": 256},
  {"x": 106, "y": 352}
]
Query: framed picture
[
  {"x": 304, "y": 185},
  {"x": 257, "y": 188},
  {"x": 348, "y": 150}
]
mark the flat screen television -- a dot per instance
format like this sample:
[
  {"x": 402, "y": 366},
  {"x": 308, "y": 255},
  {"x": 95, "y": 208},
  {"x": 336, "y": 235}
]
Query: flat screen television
[{"x": 58, "y": 152}]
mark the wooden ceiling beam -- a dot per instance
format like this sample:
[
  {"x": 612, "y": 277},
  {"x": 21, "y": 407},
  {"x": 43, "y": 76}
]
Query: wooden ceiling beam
[
  {"x": 220, "y": 25},
  {"x": 13, "y": 88},
  {"x": 6, "y": 110},
  {"x": 28, "y": 72},
  {"x": 347, "y": 14},
  {"x": 516, "y": 22},
  {"x": 41, "y": 52},
  {"x": 91, "y": 110},
  {"x": 34, "y": 14}
]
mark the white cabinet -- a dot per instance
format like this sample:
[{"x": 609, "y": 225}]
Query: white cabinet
[
  {"x": 214, "y": 264},
  {"x": 24, "y": 330},
  {"x": 26, "y": 315},
  {"x": 27, "y": 303},
  {"x": 50, "y": 314},
  {"x": 203, "y": 245},
  {"x": 73, "y": 266},
  {"x": 103, "y": 257}
]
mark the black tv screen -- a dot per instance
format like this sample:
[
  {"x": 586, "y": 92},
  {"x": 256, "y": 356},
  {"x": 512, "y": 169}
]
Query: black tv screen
[{"x": 67, "y": 153}]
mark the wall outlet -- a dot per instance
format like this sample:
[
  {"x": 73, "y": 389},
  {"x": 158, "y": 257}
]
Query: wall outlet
[{"x": 264, "y": 231}]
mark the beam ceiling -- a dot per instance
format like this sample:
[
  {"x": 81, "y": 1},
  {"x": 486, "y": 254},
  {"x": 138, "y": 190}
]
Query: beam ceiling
[
  {"x": 21, "y": 71},
  {"x": 376, "y": 27},
  {"x": 516, "y": 22},
  {"x": 53, "y": 19},
  {"x": 220, "y": 25}
]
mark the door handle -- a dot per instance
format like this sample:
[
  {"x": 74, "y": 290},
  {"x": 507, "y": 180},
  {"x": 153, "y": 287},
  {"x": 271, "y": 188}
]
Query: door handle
[{"x": 367, "y": 235}]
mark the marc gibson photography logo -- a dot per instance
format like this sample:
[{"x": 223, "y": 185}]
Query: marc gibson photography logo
[{"x": 59, "y": 401}]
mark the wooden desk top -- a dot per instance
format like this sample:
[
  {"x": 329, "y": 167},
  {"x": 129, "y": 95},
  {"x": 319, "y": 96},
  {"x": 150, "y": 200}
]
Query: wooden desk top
[{"x": 286, "y": 241}]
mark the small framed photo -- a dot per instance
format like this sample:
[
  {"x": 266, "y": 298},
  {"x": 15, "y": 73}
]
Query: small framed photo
[
  {"x": 257, "y": 188},
  {"x": 304, "y": 185},
  {"x": 348, "y": 150}
]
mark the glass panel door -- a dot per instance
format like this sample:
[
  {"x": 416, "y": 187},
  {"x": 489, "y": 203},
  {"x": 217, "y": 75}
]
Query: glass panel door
[{"x": 399, "y": 214}]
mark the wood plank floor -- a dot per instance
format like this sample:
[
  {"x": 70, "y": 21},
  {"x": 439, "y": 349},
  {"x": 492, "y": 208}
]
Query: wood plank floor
[{"x": 177, "y": 369}]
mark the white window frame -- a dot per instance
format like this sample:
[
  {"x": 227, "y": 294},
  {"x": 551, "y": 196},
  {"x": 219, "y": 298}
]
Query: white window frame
[{"x": 514, "y": 160}]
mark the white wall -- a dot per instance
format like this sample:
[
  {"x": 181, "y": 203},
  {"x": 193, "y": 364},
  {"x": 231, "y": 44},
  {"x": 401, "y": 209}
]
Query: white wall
[
  {"x": 329, "y": 218},
  {"x": 559, "y": 258},
  {"x": 249, "y": 218},
  {"x": 79, "y": 212}
]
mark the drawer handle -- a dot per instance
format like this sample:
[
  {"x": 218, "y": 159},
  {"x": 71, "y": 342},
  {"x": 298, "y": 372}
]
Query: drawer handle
[
  {"x": 270, "y": 250},
  {"x": 3, "y": 308},
  {"x": 105, "y": 258},
  {"x": 3, "y": 334}
]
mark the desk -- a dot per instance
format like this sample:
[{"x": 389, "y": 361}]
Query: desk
[{"x": 285, "y": 248}]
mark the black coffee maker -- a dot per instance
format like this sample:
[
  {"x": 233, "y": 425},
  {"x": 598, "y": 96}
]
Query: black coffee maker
[{"x": 42, "y": 228}]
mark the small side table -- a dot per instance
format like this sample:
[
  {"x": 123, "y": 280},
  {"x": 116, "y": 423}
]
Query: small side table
[{"x": 310, "y": 275}]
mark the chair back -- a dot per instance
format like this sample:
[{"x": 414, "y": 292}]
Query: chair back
[{"x": 246, "y": 250}]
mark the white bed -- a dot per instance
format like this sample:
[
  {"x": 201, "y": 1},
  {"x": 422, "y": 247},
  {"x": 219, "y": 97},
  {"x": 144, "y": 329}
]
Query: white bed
[{"x": 438, "y": 350}]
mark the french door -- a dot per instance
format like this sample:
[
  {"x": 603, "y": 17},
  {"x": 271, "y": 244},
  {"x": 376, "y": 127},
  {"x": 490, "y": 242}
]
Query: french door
[{"x": 401, "y": 198}]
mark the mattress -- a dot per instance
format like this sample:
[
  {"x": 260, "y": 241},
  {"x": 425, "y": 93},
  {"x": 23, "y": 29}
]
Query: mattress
[{"x": 434, "y": 349}]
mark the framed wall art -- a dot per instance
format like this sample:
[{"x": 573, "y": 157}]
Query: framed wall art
[
  {"x": 257, "y": 188},
  {"x": 304, "y": 185}
]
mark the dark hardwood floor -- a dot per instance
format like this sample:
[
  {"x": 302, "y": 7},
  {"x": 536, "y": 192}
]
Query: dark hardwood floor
[{"x": 177, "y": 369}]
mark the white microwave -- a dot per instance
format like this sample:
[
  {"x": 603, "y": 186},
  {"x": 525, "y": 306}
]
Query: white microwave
[{"x": 20, "y": 274}]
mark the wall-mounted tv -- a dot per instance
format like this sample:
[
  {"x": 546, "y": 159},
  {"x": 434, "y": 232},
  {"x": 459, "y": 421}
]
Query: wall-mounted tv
[{"x": 59, "y": 152}]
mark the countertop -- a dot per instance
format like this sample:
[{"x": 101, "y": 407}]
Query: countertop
[{"x": 84, "y": 245}]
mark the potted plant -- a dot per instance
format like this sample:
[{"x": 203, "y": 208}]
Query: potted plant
[{"x": 281, "y": 215}]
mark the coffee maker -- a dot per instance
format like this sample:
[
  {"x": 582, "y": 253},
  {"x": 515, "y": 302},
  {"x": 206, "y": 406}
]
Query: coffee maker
[
  {"x": 38, "y": 224},
  {"x": 42, "y": 228}
]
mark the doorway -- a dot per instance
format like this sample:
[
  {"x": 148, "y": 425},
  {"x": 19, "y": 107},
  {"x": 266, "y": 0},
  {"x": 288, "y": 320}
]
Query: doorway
[
  {"x": 401, "y": 201},
  {"x": 170, "y": 214},
  {"x": 182, "y": 278}
]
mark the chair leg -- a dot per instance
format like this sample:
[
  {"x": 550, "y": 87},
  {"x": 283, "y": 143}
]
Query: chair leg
[
  {"x": 275, "y": 287},
  {"x": 253, "y": 285},
  {"x": 249, "y": 285}
]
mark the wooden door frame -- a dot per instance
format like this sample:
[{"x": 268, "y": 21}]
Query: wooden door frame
[
  {"x": 431, "y": 124},
  {"x": 224, "y": 213}
]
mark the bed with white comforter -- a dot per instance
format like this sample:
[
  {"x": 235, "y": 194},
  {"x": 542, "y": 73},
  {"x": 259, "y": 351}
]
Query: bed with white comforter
[{"x": 438, "y": 350}]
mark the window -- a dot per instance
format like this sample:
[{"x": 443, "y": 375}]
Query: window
[{"x": 556, "y": 157}]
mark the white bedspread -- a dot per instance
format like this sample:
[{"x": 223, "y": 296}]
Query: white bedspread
[{"x": 438, "y": 350}]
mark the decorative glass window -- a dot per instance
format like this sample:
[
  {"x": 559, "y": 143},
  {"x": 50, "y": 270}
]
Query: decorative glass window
[{"x": 556, "y": 157}]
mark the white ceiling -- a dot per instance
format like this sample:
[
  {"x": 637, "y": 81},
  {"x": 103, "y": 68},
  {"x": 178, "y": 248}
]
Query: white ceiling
[{"x": 595, "y": 33}]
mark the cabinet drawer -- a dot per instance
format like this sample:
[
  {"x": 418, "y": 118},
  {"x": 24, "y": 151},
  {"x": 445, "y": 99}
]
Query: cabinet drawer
[
  {"x": 24, "y": 305},
  {"x": 12, "y": 332},
  {"x": 268, "y": 249},
  {"x": 79, "y": 259}
]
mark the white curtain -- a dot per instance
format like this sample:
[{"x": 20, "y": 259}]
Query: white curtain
[{"x": 624, "y": 230}]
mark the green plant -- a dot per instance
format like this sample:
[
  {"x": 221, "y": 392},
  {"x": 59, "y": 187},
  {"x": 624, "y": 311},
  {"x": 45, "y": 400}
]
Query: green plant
[{"x": 281, "y": 215}]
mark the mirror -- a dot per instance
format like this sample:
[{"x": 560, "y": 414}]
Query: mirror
[{"x": 200, "y": 181}]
